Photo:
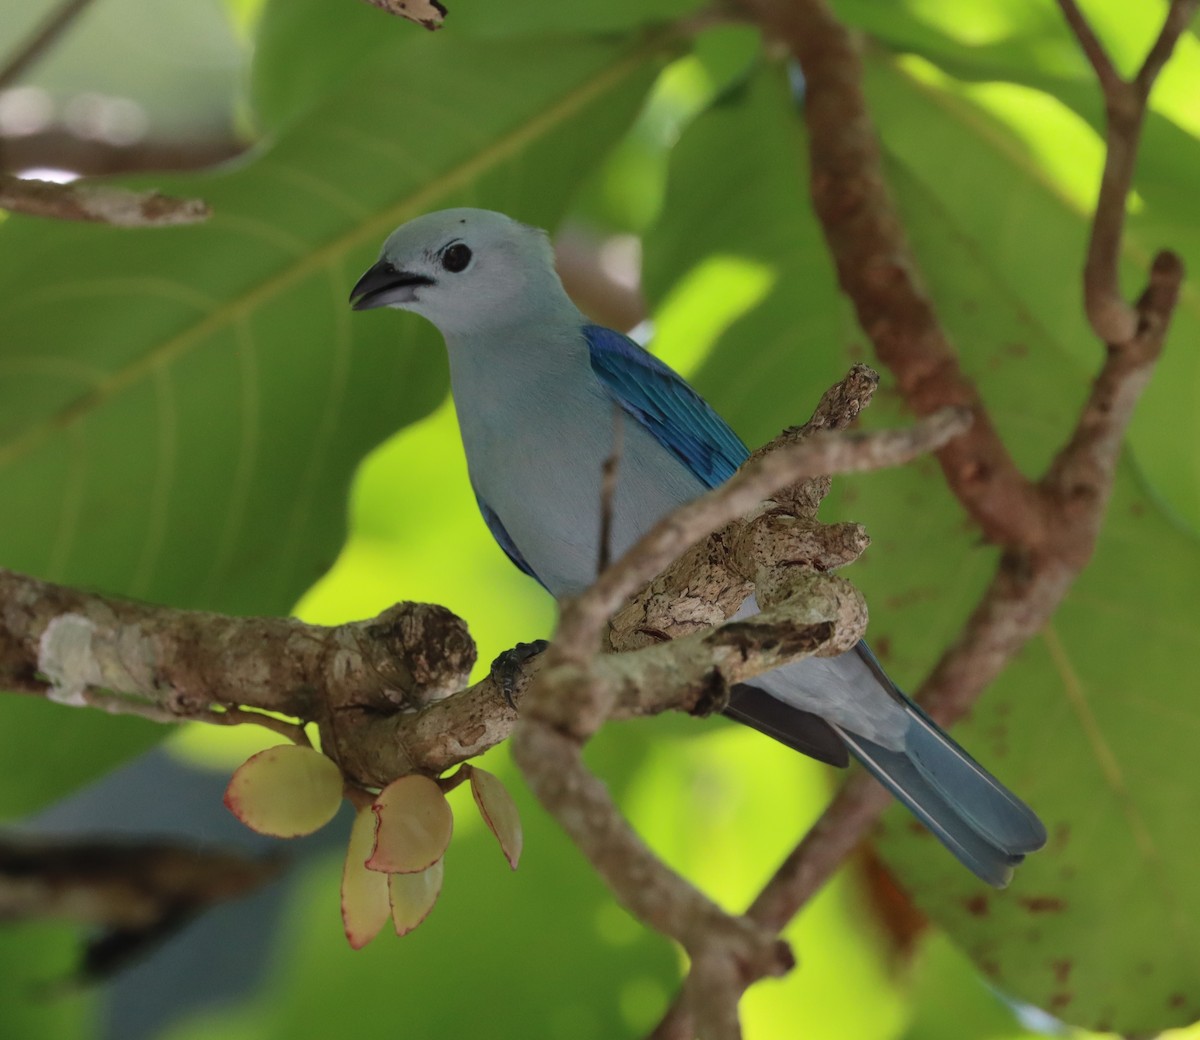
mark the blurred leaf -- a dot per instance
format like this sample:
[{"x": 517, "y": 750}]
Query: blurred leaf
[
  {"x": 499, "y": 812},
  {"x": 1060, "y": 726},
  {"x": 414, "y": 828},
  {"x": 780, "y": 306},
  {"x": 181, "y": 410},
  {"x": 412, "y": 896},
  {"x": 365, "y": 904},
  {"x": 953, "y": 1003},
  {"x": 126, "y": 71},
  {"x": 38, "y": 959},
  {"x": 627, "y": 191},
  {"x": 1035, "y": 218},
  {"x": 724, "y": 805},
  {"x": 286, "y": 791},
  {"x": 338, "y": 39}
]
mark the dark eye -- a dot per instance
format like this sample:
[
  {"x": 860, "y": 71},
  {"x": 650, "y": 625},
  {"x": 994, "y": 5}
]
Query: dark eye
[{"x": 456, "y": 257}]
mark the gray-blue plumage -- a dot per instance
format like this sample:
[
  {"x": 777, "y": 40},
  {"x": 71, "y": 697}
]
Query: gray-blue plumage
[{"x": 535, "y": 386}]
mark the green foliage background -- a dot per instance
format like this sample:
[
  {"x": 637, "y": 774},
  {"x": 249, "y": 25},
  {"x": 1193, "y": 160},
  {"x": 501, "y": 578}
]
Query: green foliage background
[{"x": 183, "y": 414}]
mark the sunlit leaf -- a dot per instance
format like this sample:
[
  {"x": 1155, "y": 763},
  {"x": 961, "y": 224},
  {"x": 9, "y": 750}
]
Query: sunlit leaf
[
  {"x": 1091, "y": 724},
  {"x": 762, "y": 307},
  {"x": 1086, "y": 722},
  {"x": 285, "y": 791},
  {"x": 365, "y": 904},
  {"x": 415, "y": 824},
  {"x": 499, "y": 812},
  {"x": 413, "y": 895},
  {"x": 181, "y": 410}
]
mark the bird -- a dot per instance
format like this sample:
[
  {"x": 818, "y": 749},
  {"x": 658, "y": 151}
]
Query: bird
[{"x": 535, "y": 385}]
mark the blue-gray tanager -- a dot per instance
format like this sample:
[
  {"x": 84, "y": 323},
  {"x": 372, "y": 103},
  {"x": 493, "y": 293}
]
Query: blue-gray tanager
[{"x": 535, "y": 384}]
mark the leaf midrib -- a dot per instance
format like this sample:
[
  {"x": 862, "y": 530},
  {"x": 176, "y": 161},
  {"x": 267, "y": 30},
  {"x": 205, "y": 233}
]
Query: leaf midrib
[{"x": 505, "y": 146}]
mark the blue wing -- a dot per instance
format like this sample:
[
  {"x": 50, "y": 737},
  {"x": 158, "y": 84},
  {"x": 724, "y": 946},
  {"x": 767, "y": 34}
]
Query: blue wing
[
  {"x": 678, "y": 417},
  {"x": 502, "y": 537}
]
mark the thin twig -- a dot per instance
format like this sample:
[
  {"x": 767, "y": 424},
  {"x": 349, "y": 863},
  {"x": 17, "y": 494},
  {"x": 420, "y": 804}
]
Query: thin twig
[
  {"x": 41, "y": 40},
  {"x": 293, "y": 731},
  {"x": 98, "y": 203},
  {"x": 1178, "y": 18},
  {"x": 1110, "y": 80},
  {"x": 1111, "y": 317}
]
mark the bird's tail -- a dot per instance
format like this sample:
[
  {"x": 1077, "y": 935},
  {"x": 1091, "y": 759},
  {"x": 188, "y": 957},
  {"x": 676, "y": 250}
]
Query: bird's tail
[
  {"x": 986, "y": 826},
  {"x": 976, "y": 817}
]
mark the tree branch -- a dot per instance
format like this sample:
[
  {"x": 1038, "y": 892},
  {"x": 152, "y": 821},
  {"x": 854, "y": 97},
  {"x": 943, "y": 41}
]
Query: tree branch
[
  {"x": 135, "y": 893},
  {"x": 361, "y": 682},
  {"x": 380, "y": 690},
  {"x": 1055, "y": 522},
  {"x": 878, "y": 272},
  {"x": 98, "y": 203},
  {"x": 42, "y": 38}
]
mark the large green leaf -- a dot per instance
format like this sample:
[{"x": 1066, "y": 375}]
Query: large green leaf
[
  {"x": 740, "y": 251},
  {"x": 335, "y": 40},
  {"x": 1100, "y": 929},
  {"x": 181, "y": 410},
  {"x": 1014, "y": 46},
  {"x": 1097, "y": 928}
]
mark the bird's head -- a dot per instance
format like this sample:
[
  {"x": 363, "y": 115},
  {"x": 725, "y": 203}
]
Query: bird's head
[{"x": 463, "y": 269}]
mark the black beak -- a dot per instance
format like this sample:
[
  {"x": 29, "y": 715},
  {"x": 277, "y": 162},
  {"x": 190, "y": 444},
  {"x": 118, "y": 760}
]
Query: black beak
[{"x": 384, "y": 284}]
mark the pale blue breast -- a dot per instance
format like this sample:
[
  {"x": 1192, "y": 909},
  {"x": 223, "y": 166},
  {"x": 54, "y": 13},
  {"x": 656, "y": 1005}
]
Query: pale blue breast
[{"x": 536, "y": 437}]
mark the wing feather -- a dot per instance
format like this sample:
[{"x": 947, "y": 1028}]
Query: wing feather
[{"x": 657, "y": 397}]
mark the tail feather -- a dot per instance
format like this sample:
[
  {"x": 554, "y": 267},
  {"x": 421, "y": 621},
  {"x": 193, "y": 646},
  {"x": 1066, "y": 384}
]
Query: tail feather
[
  {"x": 992, "y": 810},
  {"x": 940, "y": 813},
  {"x": 976, "y": 817}
]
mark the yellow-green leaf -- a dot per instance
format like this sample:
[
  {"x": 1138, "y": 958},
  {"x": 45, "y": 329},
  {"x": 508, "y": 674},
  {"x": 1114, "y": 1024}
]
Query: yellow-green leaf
[
  {"x": 499, "y": 812},
  {"x": 413, "y": 895},
  {"x": 285, "y": 791},
  {"x": 365, "y": 902},
  {"x": 414, "y": 829}
]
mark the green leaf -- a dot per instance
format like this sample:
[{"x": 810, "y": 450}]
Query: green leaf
[
  {"x": 743, "y": 290},
  {"x": 499, "y": 812},
  {"x": 338, "y": 41},
  {"x": 1085, "y": 723},
  {"x": 1090, "y": 724},
  {"x": 181, "y": 410},
  {"x": 1093, "y": 725},
  {"x": 412, "y": 896},
  {"x": 365, "y": 905}
]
